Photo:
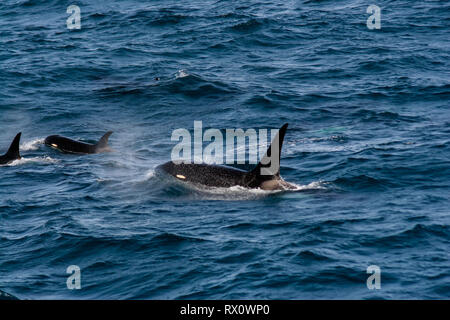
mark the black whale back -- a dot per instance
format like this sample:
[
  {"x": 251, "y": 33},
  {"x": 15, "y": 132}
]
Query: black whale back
[
  {"x": 204, "y": 174},
  {"x": 224, "y": 176},
  {"x": 68, "y": 145},
  {"x": 77, "y": 147}
]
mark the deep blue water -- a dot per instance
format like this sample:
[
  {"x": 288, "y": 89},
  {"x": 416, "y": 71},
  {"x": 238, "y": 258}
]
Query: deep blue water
[{"x": 368, "y": 144}]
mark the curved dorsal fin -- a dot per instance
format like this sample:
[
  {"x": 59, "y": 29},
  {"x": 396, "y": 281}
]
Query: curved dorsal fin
[
  {"x": 13, "y": 151},
  {"x": 270, "y": 166},
  {"x": 103, "y": 142}
]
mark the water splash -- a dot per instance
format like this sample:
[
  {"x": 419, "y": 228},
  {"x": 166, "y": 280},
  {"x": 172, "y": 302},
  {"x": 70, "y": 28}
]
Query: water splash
[
  {"x": 181, "y": 74},
  {"x": 42, "y": 160},
  {"x": 32, "y": 145}
]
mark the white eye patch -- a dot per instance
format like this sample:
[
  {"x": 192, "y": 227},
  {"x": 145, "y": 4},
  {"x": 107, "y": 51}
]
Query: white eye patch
[{"x": 179, "y": 176}]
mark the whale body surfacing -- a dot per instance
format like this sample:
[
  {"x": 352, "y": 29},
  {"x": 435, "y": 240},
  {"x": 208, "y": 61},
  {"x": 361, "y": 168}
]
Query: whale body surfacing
[
  {"x": 13, "y": 151},
  {"x": 266, "y": 175},
  {"x": 67, "y": 145}
]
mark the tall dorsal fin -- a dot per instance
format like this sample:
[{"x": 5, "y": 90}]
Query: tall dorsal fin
[
  {"x": 268, "y": 166},
  {"x": 103, "y": 142},
  {"x": 13, "y": 151}
]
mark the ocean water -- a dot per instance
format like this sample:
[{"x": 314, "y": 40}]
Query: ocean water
[{"x": 368, "y": 145}]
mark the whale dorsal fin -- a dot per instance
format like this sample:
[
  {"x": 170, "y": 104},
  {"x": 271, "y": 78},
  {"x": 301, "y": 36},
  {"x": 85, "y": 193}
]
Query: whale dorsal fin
[
  {"x": 270, "y": 166},
  {"x": 103, "y": 142},
  {"x": 13, "y": 151}
]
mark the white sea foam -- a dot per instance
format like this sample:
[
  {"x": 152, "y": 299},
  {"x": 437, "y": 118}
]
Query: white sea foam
[
  {"x": 181, "y": 74},
  {"x": 32, "y": 160},
  {"x": 242, "y": 193},
  {"x": 311, "y": 186},
  {"x": 31, "y": 145}
]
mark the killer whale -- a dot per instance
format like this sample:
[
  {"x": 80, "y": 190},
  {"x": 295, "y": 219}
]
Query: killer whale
[
  {"x": 67, "y": 145},
  {"x": 13, "y": 151},
  {"x": 266, "y": 174}
]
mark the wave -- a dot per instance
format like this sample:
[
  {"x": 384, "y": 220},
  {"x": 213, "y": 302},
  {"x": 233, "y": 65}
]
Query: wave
[
  {"x": 182, "y": 82},
  {"x": 362, "y": 182},
  {"x": 157, "y": 17},
  {"x": 386, "y": 116},
  {"x": 249, "y": 25},
  {"x": 167, "y": 238},
  {"x": 409, "y": 237},
  {"x": 311, "y": 256},
  {"x": 246, "y": 226},
  {"x": 6, "y": 296},
  {"x": 196, "y": 86},
  {"x": 23, "y": 161},
  {"x": 131, "y": 243}
]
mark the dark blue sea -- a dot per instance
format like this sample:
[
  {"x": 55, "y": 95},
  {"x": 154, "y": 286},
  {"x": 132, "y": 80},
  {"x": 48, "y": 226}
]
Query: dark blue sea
[{"x": 368, "y": 146}]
